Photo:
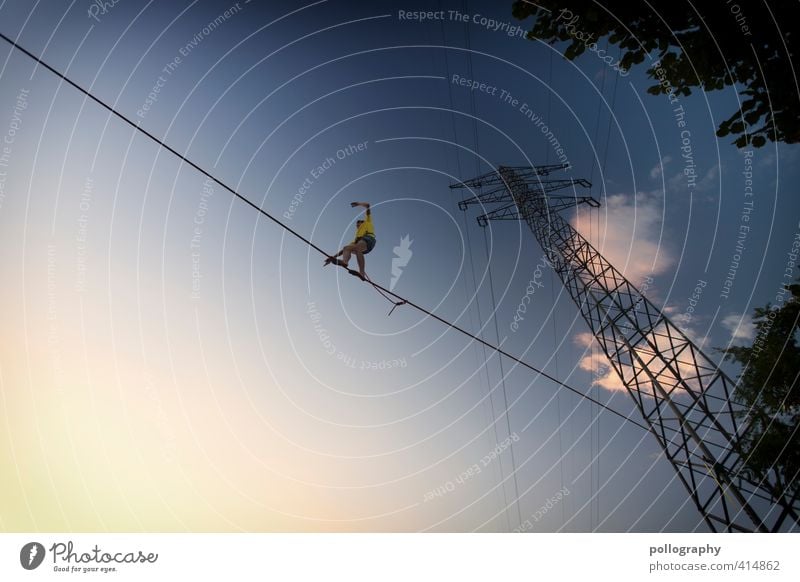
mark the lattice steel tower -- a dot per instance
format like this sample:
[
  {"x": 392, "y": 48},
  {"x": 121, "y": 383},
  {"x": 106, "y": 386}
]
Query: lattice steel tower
[{"x": 683, "y": 396}]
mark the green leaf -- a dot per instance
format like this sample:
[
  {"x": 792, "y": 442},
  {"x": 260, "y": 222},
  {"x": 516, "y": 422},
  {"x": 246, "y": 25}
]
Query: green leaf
[{"x": 752, "y": 117}]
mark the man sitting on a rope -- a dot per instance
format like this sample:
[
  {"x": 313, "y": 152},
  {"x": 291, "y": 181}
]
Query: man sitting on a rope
[{"x": 361, "y": 245}]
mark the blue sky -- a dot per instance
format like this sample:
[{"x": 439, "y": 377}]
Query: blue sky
[{"x": 175, "y": 362}]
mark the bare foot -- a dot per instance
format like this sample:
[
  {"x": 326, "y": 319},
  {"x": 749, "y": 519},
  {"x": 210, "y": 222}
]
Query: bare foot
[{"x": 335, "y": 261}]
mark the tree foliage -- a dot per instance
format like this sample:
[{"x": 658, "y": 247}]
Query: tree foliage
[
  {"x": 709, "y": 45},
  {"x": 770, "y": 385}
]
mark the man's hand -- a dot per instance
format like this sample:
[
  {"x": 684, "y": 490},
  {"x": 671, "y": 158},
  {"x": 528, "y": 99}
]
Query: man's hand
[{"x": 364, "y": 204}]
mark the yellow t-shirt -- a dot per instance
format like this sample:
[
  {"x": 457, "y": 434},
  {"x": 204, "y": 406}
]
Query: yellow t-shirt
[{"x": 365, "y": 228}]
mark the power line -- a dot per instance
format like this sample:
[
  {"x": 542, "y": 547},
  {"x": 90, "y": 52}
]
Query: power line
[
  {"x": 467, "y": 297},
  {"x": 502, "y": 376},
  {"x": 549, "y": 88},
  {"x": 486, "y": 362},
  {"x": 597, "y": 117},
  {"x": 602, "y": 174},
  {"x": 266, "y": 214},
  {"x": 493, "y": 315}
]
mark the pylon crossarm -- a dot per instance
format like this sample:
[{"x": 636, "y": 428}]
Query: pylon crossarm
[
  {"x": 493, "y": 178},
  {"x": 493, "y": 196},
  {"x": 508, "y": 212}
]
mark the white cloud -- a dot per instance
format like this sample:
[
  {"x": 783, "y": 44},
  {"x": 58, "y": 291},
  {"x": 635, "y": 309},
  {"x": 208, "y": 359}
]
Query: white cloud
[
  {"x": 658, "y": 169},
  {"x": 740, "y": 326},
  {"x": 710, "y": 179},
  {"x": 596, "y": 363},
  {"x": 684, "y": 322},
  {"x": 603, "y": 375},
  {"x": 670, "y": 310},
  {"x": 628, "y": 234},
  {"x": 680, "y": 182},
  {"x": 627, "y": 237}
]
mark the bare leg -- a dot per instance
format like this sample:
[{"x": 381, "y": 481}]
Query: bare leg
[
  {"x": 359, "y": 252},
  {"x": 346, "y": 252}
]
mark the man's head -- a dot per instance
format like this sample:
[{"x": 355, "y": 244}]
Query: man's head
[{"x": 359, "y": 222}]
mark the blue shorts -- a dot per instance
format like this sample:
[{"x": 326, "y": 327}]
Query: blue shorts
[{"x": 370, "y": 241}]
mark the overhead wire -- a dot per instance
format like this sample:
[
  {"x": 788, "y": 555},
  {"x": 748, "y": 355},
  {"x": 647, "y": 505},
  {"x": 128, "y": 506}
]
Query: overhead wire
[
  {"x": 610, "y": 119},
  {"x": 597, "y": 215},
  {"x": 549, "y": 103},
  {"x": 597, "y": 117},
  {"x": 489, "y": 388},
  {"x": 595, "y": 435},
  {"x": 311, "y": 244},
  {"x": 486, "y": 361},
  {"x": 474, "y": 111},
  {"x": 552, "y": 290},
  {"x": 593, "y": 476},
  {"x": 502, "y": 377}
]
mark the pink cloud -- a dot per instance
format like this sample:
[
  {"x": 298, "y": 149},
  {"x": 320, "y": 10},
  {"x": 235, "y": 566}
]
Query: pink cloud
[
  {"x": 603, "y": 375},
  {"x": 627, "y": 234},
  {"x": 596, "y": 363}
]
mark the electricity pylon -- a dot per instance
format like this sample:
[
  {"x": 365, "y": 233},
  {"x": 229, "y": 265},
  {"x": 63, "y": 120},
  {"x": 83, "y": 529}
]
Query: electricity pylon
[{"x": 683, "y": 396}]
